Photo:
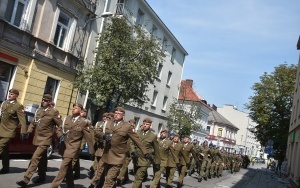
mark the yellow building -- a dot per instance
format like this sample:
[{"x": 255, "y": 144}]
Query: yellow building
[
  {"x": 293, "y": 151},
  {"x": 41, "y": 44}
]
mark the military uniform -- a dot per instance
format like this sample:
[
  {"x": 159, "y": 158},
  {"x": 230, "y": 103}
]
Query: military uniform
[
  {"x": 43, "y": 123},
  {"x": 115, "y": 150},
  {"x": 206, "y": 162},
  {"x": 74, "y": 131},
  {"x": 173, "y": 162},
  {"x": 149, "y": 140},
  {"x": 165, "y": 152},
  {"x": 11, "y": 113}
]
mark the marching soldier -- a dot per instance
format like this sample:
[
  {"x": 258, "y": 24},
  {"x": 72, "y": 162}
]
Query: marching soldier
[
  {"x": 76, "y": 160},
  {"x": 71, "y": 131},
  {"x": 123, "y": 175},
  {"x": 44, "y": 121},
  {"x": 173, "y": 162},
  {"x": 149, "y": 140},
  {"x": 184, "y": 159},
  {"x": 193, "y": 164},
  {"x": 116, "y": 136},
  {"x": 164, "y": 152},
  {"x": 11, "y": 113},
  {"x": 204, "y": 169}
]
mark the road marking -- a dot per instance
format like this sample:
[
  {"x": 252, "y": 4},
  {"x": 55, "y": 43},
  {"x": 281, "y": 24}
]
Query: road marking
[{"x": 222, "y": 186}]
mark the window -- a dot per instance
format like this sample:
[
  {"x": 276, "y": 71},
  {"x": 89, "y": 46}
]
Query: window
[
  {"x": 154, "y": 98},
  {"x": 164, "y": 45},
  {"x": 6, "y": 72},
  {"x": 159, "y": 70},
  {"x": 15, "y": 11},
  {"x": 169, "y": 78},
  {"x": 61, "y": 30},
  {"x": 173, "y": 55},
  {"x": 165, "y": 103},
  {"x": 154, "y": 31},
  {"x": 140, "y": 17},
  {"x": 160, "y": 126},
  {"x": 220, "y": 132},
  {"x": 51, "y": 87},
  {"x": 137, "y": 123}
]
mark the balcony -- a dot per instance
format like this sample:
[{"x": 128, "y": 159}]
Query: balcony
[
  {"x": 123, "y": 10},
  {"x": 221, "y": 139}
]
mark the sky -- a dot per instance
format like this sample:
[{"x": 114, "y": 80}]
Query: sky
[{"x": 232, "y": 43}]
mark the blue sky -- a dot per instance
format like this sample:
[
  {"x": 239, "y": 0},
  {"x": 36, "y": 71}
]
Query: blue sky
[{"x": 231, "y": 43}]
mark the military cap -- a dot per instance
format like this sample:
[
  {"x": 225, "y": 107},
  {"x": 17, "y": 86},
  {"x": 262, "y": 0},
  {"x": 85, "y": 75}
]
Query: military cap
[
  {"x": 147, "y": 120},
  {"x": 176, "y": 135},
  {"x": 132, "y": 121},
  {"x": 120, "y": 109},
  {"x": 105, "y": 114},
  {"x": 78, "y": 105},
  {"x": 47, "y": 97},
  {"x": 14, "y": 91},
  {"x": 186, "y": 136},
  {"x": 111, "y": 114},
  {"x": 84, "y": 110},
  {"x": 164, "y": 131}
]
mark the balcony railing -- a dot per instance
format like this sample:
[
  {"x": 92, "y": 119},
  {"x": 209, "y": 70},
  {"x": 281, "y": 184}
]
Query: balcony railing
[{"x": 122, "y": 9}]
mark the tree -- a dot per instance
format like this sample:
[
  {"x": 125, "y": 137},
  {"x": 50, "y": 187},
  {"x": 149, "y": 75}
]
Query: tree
[
  {"x": 183, "y": 118},
  {"x": 125, "y": 65},
  {"x": 270, "y": 107}
]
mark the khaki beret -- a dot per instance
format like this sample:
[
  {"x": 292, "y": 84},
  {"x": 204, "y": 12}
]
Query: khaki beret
[
  {"x": 186, "y": 136},
  {"x": 176, "y": 135},
  {"x": 14, "y": 91},
  {"x": 147, "y": 120},
  {"x": 111, "y": 114},
  {"x": 132, "y": 121},
  {"x": 105, "y": 114},
  {"x": 47, "y": 97},
  {"x": 120, "y": 109},
  {"x": 164, "y": 131},
  {"x": 84, "y": 110},
  {"x": 78, "y": 105}
]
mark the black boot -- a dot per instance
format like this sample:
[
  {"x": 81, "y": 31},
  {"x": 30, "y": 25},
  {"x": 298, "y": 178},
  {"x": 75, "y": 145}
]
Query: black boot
[
  {"x": 22, "y": 183},
  {"x": 199, "y": 179},
  {"x": 91, "y": 186}
]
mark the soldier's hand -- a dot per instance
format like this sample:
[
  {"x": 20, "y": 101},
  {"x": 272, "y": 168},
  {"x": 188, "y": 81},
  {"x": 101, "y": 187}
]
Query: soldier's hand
[
  {"x": 148, "y": 157},
  {"x": 92, "y": 156},
  {"x": 178, "y": 165},
  {"x": 100, "y": 140},
  {"x": 107, "y": 137},
  {"x": 157, "y": 167},
  {"x": 61, "y": 138},
  {"x": 134, "y": 154},
  {"x": 24, "y": 136}
]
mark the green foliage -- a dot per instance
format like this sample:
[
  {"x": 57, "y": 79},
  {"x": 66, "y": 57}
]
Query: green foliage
[
  {"x": 183, "y": 118},
  {"x": 126, "y": 61},
  {"x": 270, "y": 107}
]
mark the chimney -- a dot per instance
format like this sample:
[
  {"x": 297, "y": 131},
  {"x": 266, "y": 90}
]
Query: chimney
[{"x": 189, "y": 82}]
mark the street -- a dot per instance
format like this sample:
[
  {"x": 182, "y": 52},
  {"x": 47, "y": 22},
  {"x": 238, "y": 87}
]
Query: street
[{"x": 254, "y": 177}]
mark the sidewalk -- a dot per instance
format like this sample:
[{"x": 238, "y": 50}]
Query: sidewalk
[{"x": 265, "y": 178}]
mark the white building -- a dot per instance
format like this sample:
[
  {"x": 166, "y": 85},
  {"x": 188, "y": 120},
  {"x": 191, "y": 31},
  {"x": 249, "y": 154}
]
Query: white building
[
  {"x": 189, "y": 97},
  {"x": 166, "y": 86},
  {"x": 246, "y": 142}
]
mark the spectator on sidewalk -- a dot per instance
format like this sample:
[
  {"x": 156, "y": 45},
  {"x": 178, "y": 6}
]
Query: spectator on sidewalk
[{"x": 284, "y": 168}]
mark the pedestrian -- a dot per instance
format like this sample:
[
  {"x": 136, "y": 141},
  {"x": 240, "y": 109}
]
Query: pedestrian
[
  {"x": 45, "y": 119},
  {"x": 11, "y": 113},
  {"x": 149, "y": 140},
  {"x": 71, "y": 131},
  {"x": 116, "y": 136}
]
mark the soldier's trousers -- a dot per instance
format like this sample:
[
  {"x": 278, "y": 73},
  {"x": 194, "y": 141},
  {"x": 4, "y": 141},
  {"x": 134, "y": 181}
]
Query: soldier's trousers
[
  {"x": 76, "y": 164},
  {"x": 213, "y": 167},
  {"x": 65, "y": 170},
  {"x": 124, "y": 170},
  {"x": 4, "y": 151},
  {"x": 192, "y": 166},
  {"x": 232, "y": 167},
  {"x": 182, "y": 173},
  {"x": 39, "y": 160},
  {"x": 156, "y": 180},
  {"x": 111, "y": 176},
  {"x": 170, "y": 171},
  {"x": 208, "y": 167},
  {"x": 203, "y": 168},
  {"x": 220, "y": 168},
  {"x": 139, "y": 176}
]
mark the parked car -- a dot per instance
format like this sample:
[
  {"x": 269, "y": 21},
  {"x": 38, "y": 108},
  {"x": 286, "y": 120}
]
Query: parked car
[
  {"x": 260, "y": 160},
  {"x": 17, "y": 146}
]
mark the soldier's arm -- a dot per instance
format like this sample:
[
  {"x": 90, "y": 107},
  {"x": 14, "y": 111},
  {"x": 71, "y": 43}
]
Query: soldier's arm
[
  {"x": 88, "y": 138},
  {"x": 194, "y": 155},
  {"x": 156, "y": 151},
  {"x": 57, "y": 118},
  {"x": 137, "y": 141},
  {"x": 22, "y": 119}
]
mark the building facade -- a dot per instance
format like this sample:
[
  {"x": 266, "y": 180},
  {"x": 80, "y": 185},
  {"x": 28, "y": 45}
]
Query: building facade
[
  {"x": 41, "y": 44},
  {"x": 246, "y": 142},
  {"x": 222, "y": 132},
  {"x": 166, "y": 87},
  {"x": 189, "y": 97},
  {"x": 293, "y": 145}
]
